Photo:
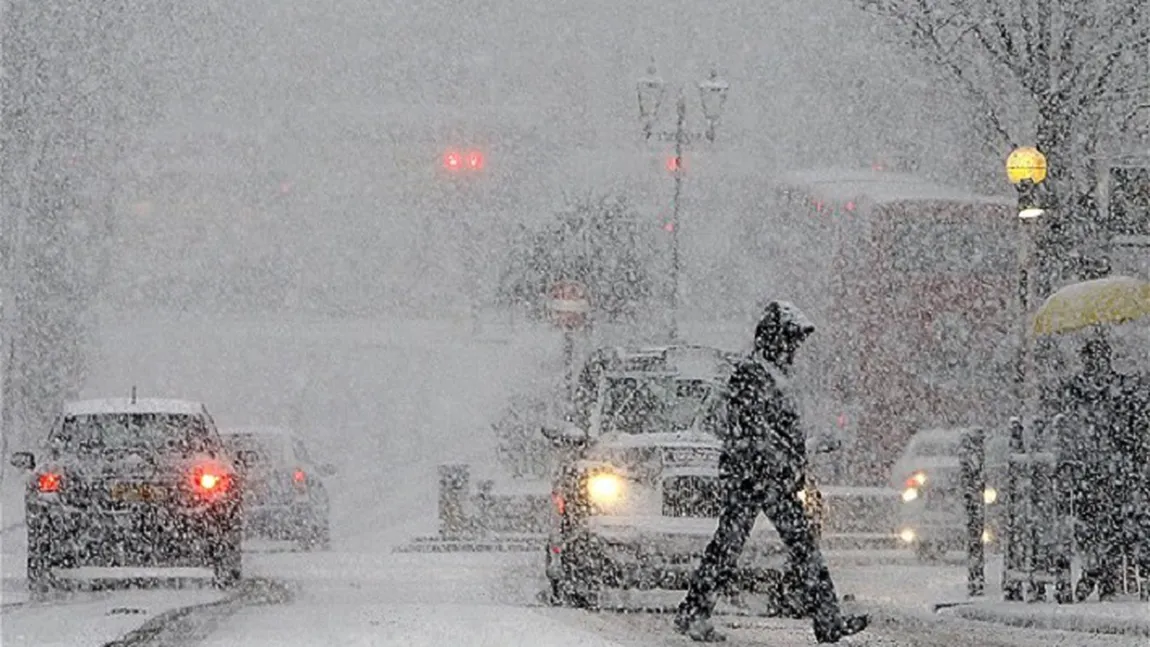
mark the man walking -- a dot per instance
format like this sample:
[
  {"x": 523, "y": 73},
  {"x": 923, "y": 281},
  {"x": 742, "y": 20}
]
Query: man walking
[{"x": 762, "y": 468}]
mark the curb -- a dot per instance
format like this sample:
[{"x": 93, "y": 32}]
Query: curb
[{"x": 1078, "y": 623}]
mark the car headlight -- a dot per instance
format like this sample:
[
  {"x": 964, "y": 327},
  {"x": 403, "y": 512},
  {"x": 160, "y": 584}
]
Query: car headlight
[
  {"x": 909, "y": 494},
  {"x": 989, "y": 495},
  {"x": 605, "y": 488},
  {"x": 802, "y": 495},
  {"x": 907, "y": 535}
]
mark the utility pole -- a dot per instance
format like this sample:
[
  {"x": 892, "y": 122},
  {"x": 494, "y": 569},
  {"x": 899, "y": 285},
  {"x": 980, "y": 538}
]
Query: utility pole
[{"x": 680, "y": 136}]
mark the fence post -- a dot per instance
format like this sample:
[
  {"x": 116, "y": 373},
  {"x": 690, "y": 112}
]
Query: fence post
[
  {"x": 453, "y": 487},
  {"x": 1014, "y": 560},
  {"x": 1062, "y": 489},
  {"x": 973, "y": 457},
  {"x": 1041, "y": 517}
]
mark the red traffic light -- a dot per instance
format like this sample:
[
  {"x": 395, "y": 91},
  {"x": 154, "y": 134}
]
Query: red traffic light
[{"x": 457, "y": 161}]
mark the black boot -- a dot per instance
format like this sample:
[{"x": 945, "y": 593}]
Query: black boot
[
  {"x": 848, "y": 626},
  {"x": 697, "y": 628}
]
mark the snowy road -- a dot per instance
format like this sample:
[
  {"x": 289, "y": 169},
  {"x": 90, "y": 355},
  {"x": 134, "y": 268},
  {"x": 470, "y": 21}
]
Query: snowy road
[{"x": 387, "y": 401}]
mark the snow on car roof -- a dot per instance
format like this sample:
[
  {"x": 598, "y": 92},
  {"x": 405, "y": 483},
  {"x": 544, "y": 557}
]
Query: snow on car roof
[
  {"x": 126, "y": 405},
  {"x": 254, "y": 431},
  {"x": 880, "y": 187}
]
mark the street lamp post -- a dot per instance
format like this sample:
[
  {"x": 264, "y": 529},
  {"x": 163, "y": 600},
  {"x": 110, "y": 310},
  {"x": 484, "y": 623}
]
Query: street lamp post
[
  {"x": 712, "y": 97},
  {"x": 1026, "y": 170}
]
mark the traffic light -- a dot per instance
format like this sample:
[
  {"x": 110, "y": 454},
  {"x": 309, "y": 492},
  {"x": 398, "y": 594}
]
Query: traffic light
[
  {"x": 475, "y": 161},
  {"x": 457, "y": 161}
]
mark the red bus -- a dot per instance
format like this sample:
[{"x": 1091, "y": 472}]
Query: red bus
[{"x": 914, "y": 284}]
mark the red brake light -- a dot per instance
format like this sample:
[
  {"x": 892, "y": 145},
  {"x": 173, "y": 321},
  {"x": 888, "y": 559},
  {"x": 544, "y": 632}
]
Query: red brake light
[
  {"x": 209, "y": 479},
  {"x": 560, "y": 503},
  {"x": 475, "y": 160},
  {"x": 299, "y": 476},
  {"x": 49, "y": 482}
]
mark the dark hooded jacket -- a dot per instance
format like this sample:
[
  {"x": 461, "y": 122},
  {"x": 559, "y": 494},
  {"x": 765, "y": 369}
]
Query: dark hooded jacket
[{"x": 763, "y": 431}]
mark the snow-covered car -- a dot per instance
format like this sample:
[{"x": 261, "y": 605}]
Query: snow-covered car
[
  {"x": 931, "y": 517},
  {"x": 132, "y": 483},
  {"x": 285, "y": 497},
  {"x": 637, "y": 498}
]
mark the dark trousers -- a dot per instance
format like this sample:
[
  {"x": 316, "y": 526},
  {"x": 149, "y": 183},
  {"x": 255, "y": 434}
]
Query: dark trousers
[{"x": 777, "y": 498}]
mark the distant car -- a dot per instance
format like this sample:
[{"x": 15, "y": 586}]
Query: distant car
[
  {"x": 132, "y": 483},
  {"x": 636, "y": 493},
  {"x": 285, "y": 497},
  {"x": 931, "y": 517}
]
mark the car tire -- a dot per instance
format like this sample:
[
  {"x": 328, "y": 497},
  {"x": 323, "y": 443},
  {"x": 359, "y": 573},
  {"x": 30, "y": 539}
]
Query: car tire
[
  {"x": 317, "y": 537},
  {"x": 227, "y": 559},
  {"x": 928, "y": 552},
  {"x": 580, "y": 585}
]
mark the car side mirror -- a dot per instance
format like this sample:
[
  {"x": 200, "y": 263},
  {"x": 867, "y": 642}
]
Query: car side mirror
[
  {"x": 564, "y": 434},
  {"x": 827, "y": 445},
  {"x": 23, "y": 460}
]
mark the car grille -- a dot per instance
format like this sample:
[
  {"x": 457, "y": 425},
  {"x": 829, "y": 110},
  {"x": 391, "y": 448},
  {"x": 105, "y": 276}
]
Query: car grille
[{"x": 692, "y": 496}]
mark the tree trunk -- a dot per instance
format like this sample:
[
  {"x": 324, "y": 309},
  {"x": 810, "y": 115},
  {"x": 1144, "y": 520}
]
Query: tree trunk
[{"x": 1059, "y": 232}]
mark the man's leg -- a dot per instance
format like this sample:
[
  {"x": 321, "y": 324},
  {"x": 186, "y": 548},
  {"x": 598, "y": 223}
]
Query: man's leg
[
  {"x": 786, "y": 512},
  {"x": 719, "y": 560}
]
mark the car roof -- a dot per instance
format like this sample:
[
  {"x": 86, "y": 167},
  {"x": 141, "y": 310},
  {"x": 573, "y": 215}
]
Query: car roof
[
  {"x": 134, "y": 405},
  {"x": 255, "y": 431}
]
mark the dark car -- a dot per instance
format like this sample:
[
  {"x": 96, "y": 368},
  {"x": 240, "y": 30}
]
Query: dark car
[
  {"x": 132, "y": 483},
  {"x": 285, "y": 497}
]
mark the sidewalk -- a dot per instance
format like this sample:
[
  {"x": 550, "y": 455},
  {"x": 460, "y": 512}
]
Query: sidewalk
[{"x": 1126, "y": 616}]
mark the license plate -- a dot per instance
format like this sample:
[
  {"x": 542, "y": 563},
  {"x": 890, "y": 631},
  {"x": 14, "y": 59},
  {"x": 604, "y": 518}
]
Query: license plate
[{"x": 137, "y": 492}]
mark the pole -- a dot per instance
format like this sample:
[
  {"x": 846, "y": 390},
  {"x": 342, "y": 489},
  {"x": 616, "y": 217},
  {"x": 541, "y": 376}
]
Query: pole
[
  {"x": 680, "y": 134},
  {"x": 1013, "y": 563},
  {"x": 974, "y": 486},
  {"x": 569, "y": 364}
]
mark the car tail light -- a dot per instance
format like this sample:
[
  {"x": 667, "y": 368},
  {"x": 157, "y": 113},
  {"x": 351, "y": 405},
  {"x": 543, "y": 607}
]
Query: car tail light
[
  {"x": 560, "y": 503},
  {"x": 49, "y": 482},
  {"x": 299, "y": 480},
  {"x": 916, "y": 480},
  {"x": 209, "y": 479}
]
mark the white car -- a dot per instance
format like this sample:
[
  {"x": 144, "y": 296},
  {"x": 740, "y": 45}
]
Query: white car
[
  {"x": 931, "y": 517},
  {"x": 637, "y": 498}
]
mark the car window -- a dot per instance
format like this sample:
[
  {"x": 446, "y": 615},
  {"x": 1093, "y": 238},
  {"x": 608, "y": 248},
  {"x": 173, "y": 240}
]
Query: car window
[
  {"x": 936, "y": 448},
  {"x": 113, "y": 432},
  {"x": 261, "y": 451},
  {"x": 300, "y": 451},
  {"x": 655, "y": 404}
]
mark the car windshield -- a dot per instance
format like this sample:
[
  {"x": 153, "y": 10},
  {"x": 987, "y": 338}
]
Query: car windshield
[
  {"x": 263, "y": 450},
  {"x": 654, "y": 404},
  {"x": 936, "y": 448},
  {"x": 113, "y": 432},
  {"x": 951, "y": 249}
]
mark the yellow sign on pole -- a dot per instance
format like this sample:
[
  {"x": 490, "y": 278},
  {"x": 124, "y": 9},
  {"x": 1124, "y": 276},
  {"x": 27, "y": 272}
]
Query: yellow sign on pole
[{"x": 1026, "y": 163}]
